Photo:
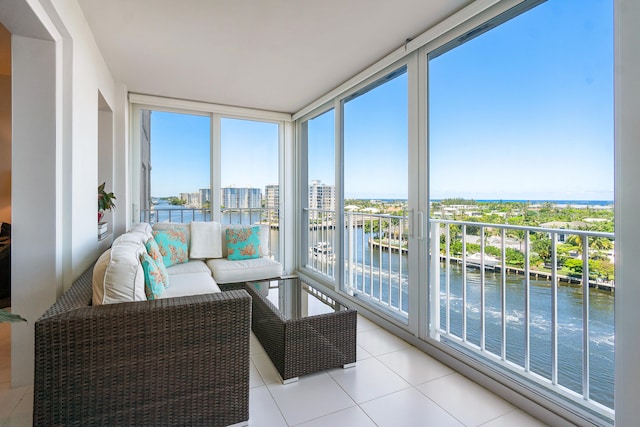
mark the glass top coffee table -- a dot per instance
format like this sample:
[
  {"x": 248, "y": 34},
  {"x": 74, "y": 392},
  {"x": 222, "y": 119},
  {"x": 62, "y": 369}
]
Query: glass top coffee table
[{"x": 302, "y": 329}]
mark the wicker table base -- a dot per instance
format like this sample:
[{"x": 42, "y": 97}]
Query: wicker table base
[{"x": 298, "y": 340}]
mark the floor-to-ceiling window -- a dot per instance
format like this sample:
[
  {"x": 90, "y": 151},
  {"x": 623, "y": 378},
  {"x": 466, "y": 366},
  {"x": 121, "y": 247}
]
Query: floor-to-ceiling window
[
  {"x": 520, "y": 139},
  {"x": 249, "y": 175},
  {"x": 319, "y": 205},
  {"x": 511, "y": 225},
  {"x": 205, "y": 162},
  {"x": 175, "y": 159},
  {"x": 375, "y": 192}
]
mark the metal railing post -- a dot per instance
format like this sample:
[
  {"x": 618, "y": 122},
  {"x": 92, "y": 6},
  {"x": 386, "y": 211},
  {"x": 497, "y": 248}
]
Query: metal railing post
[
  {"x": 434, "y": 282},
  {"x": 350, "y": 252}
]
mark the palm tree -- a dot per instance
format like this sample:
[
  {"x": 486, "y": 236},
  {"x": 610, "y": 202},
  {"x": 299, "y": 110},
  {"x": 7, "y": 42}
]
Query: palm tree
[
  {"x": 601, "y": 244},
  {"x": 577, "y": 241}
]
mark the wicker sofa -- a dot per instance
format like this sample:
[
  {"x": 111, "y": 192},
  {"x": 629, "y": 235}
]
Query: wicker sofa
[{"x": 174, "y": 361}]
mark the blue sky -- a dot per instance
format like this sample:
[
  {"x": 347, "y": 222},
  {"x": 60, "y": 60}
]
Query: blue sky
[
  {"x": 180, "y": 145},
  {"x": 180, "y": 153},
  {"x": 524, "y": 111}
]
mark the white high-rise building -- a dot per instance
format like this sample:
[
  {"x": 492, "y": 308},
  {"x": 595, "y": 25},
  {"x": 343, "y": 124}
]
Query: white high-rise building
[
  {"x": 205, "y": 196},
  {"x": 272, "y": 201},
  {"x": 242, "y": 198},
  {"x": 272, "y": 196},
  {"x": 322, "y": 196}
]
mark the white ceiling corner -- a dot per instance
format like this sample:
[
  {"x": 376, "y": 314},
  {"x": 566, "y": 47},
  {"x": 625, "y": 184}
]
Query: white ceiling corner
[{"x": 264, "y": 54}]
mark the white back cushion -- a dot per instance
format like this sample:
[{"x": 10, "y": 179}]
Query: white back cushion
[
  {"x": 143, "y": 228},
  {"x": 118, "y": 275},
  {"x": 135, "y": 237}
]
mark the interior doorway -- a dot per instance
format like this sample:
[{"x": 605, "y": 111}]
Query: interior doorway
[{"x": 5, "y": 167}]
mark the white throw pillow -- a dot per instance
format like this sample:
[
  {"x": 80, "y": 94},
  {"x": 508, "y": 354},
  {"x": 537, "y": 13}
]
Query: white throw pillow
[{"x": 206, "y": 240}]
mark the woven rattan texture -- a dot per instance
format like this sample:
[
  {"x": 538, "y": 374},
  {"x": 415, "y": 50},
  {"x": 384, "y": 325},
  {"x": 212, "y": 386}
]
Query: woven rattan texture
[
  {"x": 302, "y": 346},
  {"x": 177, "y": 361}
]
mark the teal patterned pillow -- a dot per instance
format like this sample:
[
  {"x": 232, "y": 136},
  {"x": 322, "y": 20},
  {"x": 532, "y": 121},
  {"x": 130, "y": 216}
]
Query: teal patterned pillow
[
  {"x": 243, "y": 243},
  {"x": 173, "y": 245},
  {"x": 154, "y": 252},
  {"x": 153, "y": 285}
]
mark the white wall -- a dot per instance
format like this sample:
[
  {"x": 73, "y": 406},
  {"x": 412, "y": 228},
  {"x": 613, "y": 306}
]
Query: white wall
[
  {"x": 627, "y": 208},
  {"x": 5, "y": 148},
  {"x": 55, "y": 157},
  {"x": 35, "y": 278},
  {"x": 5, "y": 125},
  {"x": 121, "y": 178},
  {"x": 105, "y": 152},
  {"x": 90, "y": 77}
]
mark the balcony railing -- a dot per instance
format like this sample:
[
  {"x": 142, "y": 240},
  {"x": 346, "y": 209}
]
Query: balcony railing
[
  {"x": 321, "y": 258},
  {"x": 247, "y": 216},
  {"x": 375, "y": 255},
  {"x": 504, "y": 297},
  {"x": 376, "y": 265},
  {"x": 174, "y": 214},
  {"x": 519, "y": 297}
]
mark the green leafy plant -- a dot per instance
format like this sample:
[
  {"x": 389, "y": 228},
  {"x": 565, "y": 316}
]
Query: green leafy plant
[
  {"x": 105, "y": 200},
  {"x": 5, "y": 316}
]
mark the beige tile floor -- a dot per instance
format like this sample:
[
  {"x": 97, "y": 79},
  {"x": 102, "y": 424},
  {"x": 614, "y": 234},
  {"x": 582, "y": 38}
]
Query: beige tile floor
[{"x": 393, "y": 384}]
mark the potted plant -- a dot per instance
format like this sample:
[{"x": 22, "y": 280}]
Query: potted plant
[
  {"x": 105, "y": 201},
  {"x": 5, "y": 316}
]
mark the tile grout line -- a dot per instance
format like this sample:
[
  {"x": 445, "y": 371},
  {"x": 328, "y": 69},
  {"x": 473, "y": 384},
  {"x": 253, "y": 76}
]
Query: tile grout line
[
  {"x": 350, "y": 397},
  {"x": 271, "y": 394}
]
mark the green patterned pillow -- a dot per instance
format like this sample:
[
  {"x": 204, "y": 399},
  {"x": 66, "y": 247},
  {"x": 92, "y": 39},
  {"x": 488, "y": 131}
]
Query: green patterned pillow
[
  {"x": 153, "y": 285},
  {"x": 243, "y": 243},
  {"x": 173, "y": 245},
  {"x": 154, "y": 252}
]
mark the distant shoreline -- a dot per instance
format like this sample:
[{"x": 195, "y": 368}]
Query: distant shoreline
[
  {"x": 555, "y": 202},
  {"x": 533, "y": 202}
]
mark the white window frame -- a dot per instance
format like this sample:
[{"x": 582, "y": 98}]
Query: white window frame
[{"x": 216, "y": 113}]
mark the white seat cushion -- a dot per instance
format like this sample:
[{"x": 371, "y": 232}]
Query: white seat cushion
[
  {"x": 181, "y": 285},
  {"x": 225, "y": 271},
  {"x": 192, "y": 266}
]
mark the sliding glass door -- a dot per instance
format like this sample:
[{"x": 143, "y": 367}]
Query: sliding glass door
[{"x": 520, "y": 137}]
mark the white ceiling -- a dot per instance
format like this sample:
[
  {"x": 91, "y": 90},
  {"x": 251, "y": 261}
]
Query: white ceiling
[{"x": 268, "y": 54}]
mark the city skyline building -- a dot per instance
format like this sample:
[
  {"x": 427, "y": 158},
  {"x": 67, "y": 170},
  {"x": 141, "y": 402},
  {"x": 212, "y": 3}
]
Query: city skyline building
[
  {"x": 272, "y": 196},
  {"x": 322, "y": 196},
  {"x": 241, "y": 197}
]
